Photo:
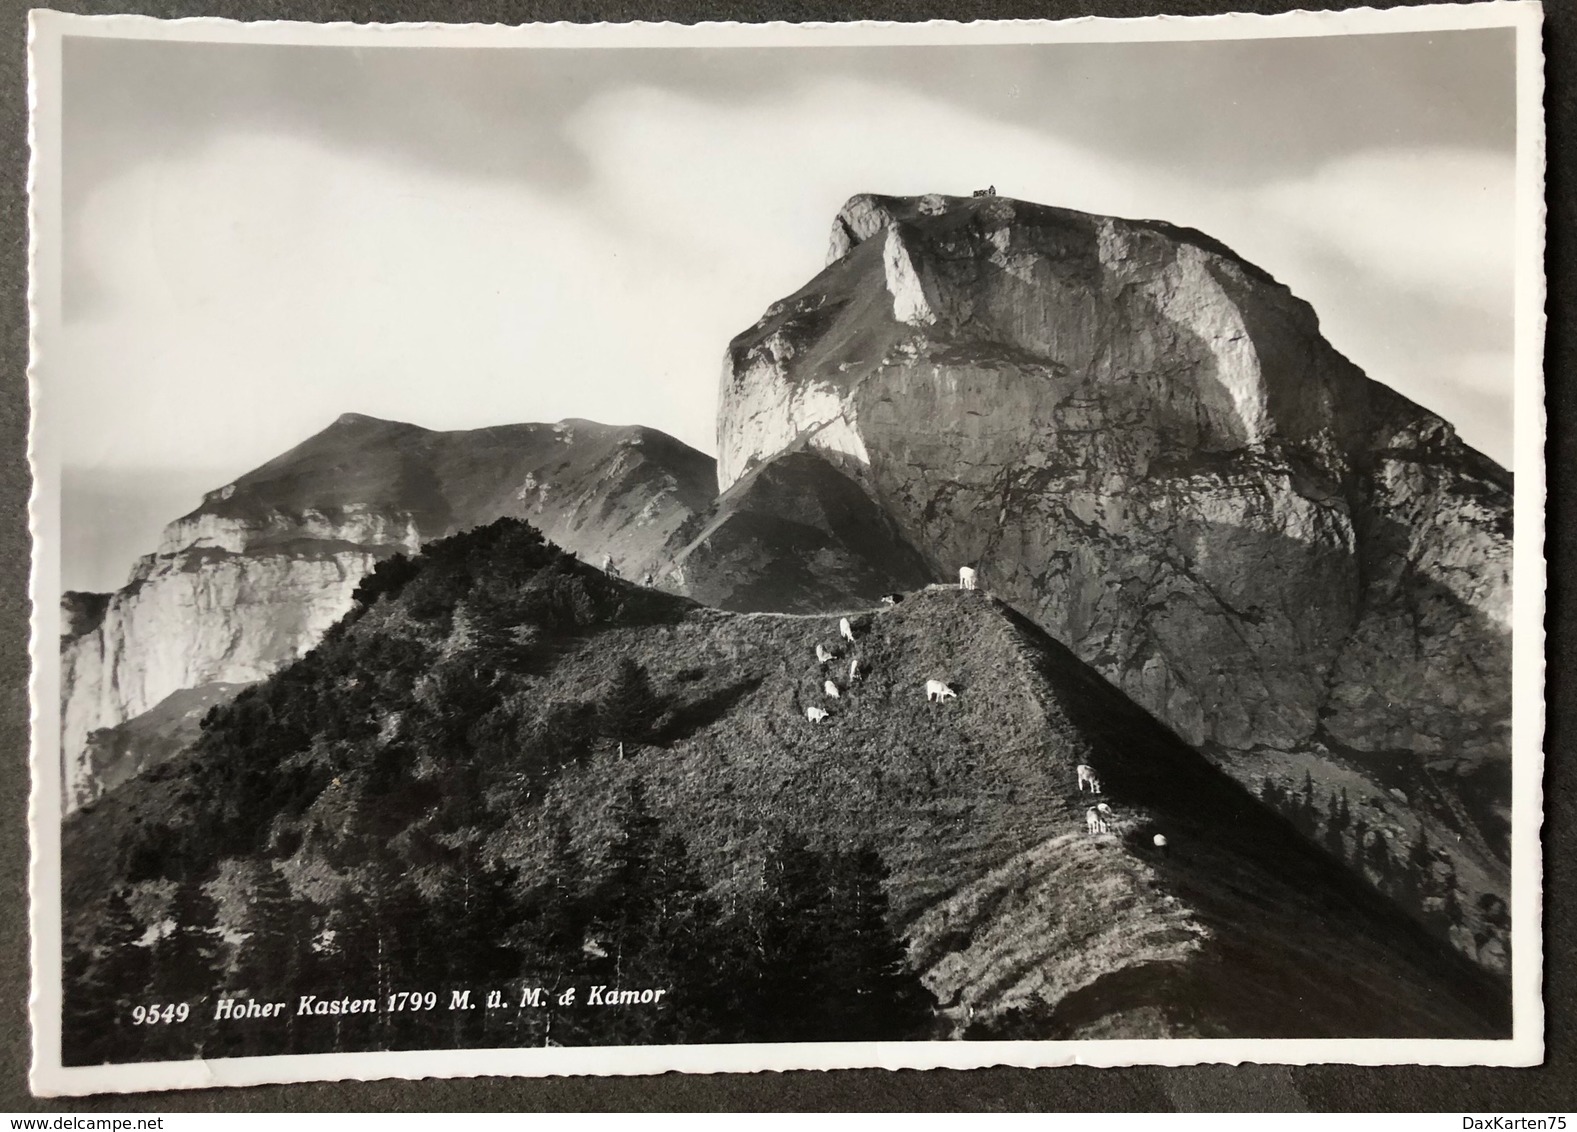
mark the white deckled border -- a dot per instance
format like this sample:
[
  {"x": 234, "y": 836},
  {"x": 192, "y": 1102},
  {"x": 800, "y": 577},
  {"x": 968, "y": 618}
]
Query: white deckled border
[{"x": 1525, "y": 1047}]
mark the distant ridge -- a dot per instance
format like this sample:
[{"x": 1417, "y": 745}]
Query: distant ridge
[{"x": 253, "y": 576}]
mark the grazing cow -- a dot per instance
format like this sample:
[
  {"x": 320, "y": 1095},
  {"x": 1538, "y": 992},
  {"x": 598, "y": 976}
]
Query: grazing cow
[
  {"x": 815, "y": 714},
  {"x": 891, "y": 599},
  {"x": 845, "y": 630},
  {"x": 1088, "y": 777},
  {"x": 966, "y": 577},
  {"x": 1095, "y": 820},
  {"x": 822, "y": 654},
  {"x": 936, "y": 692},
  {"x": 854, "y": 670},
  {"x": 831, "y": 689}
]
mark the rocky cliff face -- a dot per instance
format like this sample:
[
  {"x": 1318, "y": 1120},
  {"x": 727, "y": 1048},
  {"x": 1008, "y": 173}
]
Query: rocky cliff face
[
  {"x": 1144, "y": 442},
  {"x": 253, "y": 577}
]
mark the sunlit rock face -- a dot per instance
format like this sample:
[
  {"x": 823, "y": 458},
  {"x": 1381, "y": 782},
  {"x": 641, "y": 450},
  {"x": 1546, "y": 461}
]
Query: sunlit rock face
[
  {"x": 254, "y": 576},
  {"x": 1145, "y": 443},
  {"x": 189, "y": 619}
]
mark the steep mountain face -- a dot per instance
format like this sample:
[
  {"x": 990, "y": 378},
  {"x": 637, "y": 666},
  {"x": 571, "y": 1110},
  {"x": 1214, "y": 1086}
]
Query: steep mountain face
[
  {"x": 1020, "y": 919},
  {"x": 1144, "y": 442},
  {"x": 254, "y": 576}
]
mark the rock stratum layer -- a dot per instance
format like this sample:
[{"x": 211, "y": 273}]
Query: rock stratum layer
[{"x": 253, "y": 577}]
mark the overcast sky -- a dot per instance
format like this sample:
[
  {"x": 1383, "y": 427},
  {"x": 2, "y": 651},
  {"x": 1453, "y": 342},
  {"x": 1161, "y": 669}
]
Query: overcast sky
[{"x": 259, "y": 238}]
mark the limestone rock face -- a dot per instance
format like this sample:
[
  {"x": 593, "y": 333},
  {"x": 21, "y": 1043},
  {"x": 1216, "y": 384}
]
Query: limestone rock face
[
  {"x": 253, "y": 577},
  {"x": 1145, "y": 444},
  {"x": 190, "y": 619}
]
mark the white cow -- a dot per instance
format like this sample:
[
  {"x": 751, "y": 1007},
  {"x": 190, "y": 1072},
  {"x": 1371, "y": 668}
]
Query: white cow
[
  {"x": 822, "y": 654},
  {"x": 936, "y": 692},
  {"x": 854, "y": 670},
  {"x": 1088, "y": 777},
  {"x": 815, "y": 714},
  {"x": 1095, "y": 820},
  {"x": 966, "y": 577},
  {"x": 845, "y": 630},
  {"x": 1160, "y": 843},
  {"x": 831, "y": 689}
]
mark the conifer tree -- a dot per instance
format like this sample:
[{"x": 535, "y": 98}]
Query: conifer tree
[
  {"x": 186, "y": 959},
  {"x": 279, "y": 927},
  {"x": 1380, "y": 861},
  {"x": 472, "y": 913},
  {"x": 875, "y": 995},
  {"x": 632, "y": 707},
  {"x": 1418, "y": 878},
  {"x": 1360, "y": 845},
  {"x": 187, "y": 968},
  {"x": 102, "y": 981}
]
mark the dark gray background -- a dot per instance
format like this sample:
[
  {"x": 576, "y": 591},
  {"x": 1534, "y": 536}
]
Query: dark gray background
[{"x": 1550, "y": 1088}]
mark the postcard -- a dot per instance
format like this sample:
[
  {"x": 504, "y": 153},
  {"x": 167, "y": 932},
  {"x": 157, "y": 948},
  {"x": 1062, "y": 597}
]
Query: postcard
[{"x": 635, "y": 547}]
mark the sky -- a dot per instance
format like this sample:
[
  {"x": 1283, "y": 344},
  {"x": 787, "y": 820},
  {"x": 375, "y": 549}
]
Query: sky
[{"x": 259, "y": 238}]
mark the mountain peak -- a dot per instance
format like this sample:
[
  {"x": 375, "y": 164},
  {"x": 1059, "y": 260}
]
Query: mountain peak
[{"x": 364, "y": 421}]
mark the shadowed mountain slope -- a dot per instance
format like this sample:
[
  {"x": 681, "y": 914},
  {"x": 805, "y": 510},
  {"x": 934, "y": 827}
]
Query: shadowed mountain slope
[{"x": 796, "y": 535}]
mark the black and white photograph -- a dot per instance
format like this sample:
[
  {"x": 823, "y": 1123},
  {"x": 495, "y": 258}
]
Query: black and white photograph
[{"x": 636, "y": 547}]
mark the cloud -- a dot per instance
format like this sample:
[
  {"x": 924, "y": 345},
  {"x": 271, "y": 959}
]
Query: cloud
[
  {"x": 1437, "y": 220},
  {"x": 1404, "y": 252},
  {"x": 253, "y": 287}
]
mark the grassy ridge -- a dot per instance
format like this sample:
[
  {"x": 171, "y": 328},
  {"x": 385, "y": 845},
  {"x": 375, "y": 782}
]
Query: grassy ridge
[{"x": 478, "y": 711}]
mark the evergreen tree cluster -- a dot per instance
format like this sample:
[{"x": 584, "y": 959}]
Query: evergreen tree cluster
[
  {"x": 1421, "y": 879},
  {"x": 445, "y": 676},
  {"x": 809, "y": 956},
  {"x": 383, "y": 758}
]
